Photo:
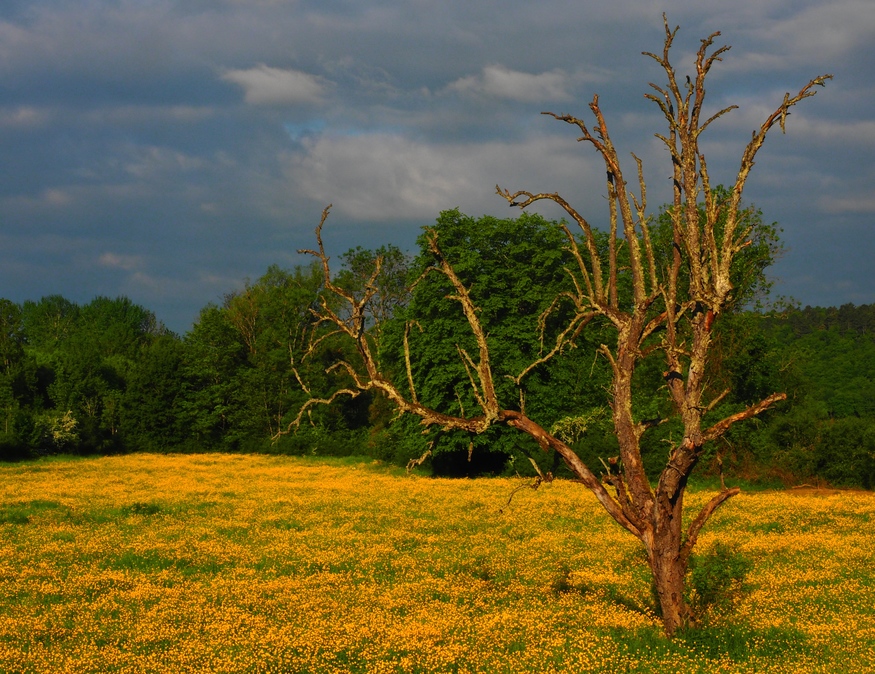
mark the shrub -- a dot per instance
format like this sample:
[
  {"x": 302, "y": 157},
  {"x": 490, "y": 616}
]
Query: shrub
[{"x": 717, "y": 580}]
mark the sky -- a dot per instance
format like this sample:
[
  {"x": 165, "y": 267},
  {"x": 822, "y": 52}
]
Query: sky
[{"x": 169, "y": 150}]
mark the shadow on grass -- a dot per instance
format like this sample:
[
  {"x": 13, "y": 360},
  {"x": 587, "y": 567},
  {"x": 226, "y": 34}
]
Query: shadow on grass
[
  {"x": 737, "y": 643},
  {"x": 562, "y": 584},
  {"x": 21, "y": 512}
]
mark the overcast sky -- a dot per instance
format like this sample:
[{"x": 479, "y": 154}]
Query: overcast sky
[{"x": 167, "y": 150}]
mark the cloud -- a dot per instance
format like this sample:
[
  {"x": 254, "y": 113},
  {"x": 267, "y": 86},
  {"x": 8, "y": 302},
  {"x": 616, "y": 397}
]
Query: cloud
[
  {"x": 47, "y": 200},
  {"x": 496, "y": 81},
  {"x": 810, "y": 123},
  {"x": 852, "y": 204},
  {"x": 23, "y": 117},
  {"x": 386, "y": 177},
  {"x": 264, "y": 85},
  {"x": 829, "y": 35},
  {"x": 827, "y": 30},
  {"x": 124, "y": 262},
  {"x": 150, "y": 162},
  {"x": 149, "y": 114},
  {"x": 13, "y": 39},
  {"x": 852, "y": 133}
]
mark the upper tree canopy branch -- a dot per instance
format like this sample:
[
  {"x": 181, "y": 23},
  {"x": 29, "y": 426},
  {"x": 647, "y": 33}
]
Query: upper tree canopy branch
[
  {"x": 354, "y": 325},
  {"x": 617, "y": 194},
  {"x": 747, "y": 160},
  {"x": 407, "y": 364},
  {"x": 590, "y": 298},
  {"x": 589, "y": 238},
  {"x": 643, "y": 223},
  {"x": 571, "y": 331},
  {"x": 486, "y": 395}
]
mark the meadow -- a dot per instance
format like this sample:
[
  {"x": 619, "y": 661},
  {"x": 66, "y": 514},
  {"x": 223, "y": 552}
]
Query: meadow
[{"x": 238, "y": 563}]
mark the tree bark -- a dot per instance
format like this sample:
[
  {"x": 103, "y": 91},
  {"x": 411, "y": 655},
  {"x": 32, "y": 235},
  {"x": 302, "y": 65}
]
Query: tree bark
[{"x": 669, "y": 572}]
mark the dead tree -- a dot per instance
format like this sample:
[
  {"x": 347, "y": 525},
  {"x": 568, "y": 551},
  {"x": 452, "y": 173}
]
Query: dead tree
[{"x": 674, "y": 303}]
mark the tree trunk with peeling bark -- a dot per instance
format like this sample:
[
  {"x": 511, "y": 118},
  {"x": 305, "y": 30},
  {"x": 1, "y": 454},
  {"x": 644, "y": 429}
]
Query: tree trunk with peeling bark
[{"x": 671, "y": 311}]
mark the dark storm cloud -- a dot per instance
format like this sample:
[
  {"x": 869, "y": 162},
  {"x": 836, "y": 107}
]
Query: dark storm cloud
[{"x": 167, "y": 150}]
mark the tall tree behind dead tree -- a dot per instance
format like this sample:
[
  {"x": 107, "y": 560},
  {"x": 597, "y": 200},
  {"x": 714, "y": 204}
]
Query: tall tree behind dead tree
[{"x": 670, "y": 314}]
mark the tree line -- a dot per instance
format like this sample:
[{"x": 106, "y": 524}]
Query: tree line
[{"x": 108, "y": 377}]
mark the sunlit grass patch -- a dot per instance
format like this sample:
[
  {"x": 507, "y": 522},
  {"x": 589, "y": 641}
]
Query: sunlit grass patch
[{"x": 221, "y": 563}]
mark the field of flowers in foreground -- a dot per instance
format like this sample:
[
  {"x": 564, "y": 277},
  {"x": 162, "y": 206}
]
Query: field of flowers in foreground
[{"x": 218, "y": 563}]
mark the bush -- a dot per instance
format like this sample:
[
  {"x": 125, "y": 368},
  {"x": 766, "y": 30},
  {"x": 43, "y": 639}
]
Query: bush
[
  {"x": 845, "y": 454},
  {"x": 717, "y": 580}
]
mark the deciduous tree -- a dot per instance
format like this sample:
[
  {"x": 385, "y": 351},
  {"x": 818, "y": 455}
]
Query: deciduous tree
[{"x": 655, "y": 310}]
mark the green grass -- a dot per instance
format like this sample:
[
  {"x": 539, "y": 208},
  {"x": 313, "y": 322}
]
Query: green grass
[{"x": 230, "y": 563}]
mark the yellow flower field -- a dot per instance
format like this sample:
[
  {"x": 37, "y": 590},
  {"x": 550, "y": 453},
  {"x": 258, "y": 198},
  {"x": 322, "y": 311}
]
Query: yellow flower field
[{"x": 227, "y": 563}]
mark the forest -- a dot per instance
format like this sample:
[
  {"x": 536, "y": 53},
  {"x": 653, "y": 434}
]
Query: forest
[{"x": 107, "y": 377}]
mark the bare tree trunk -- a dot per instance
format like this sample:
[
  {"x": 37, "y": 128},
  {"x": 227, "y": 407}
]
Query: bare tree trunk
[
  {"x": 668, "y": 581},
  {"x": 668, "y": 562},
  {"x": 669, "y": 311}
]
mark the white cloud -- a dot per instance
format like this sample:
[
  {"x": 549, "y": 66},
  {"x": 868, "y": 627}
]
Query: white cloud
[
  {"x": 57, "y": 197},
  {"x": 852, "y": 133},
  {"x": 264, "y": 85},
  {"x": 23, "y": 117},
  {"x": 864, "y": 203},
  {"x": 828, "y": 30},
  {"x": 385, "y": 177},
  {"x": 496, "y": 81},
  {"x": 149, "y": 162},
  {"x": 13, "y": 40},
  {"x": 149, "y": 114},
  {"x": 116, "y": 261},
  {"x": 805, "y": 122},
  {"x": 823, "y": 35},
  {"x": 48, "y": 200}
]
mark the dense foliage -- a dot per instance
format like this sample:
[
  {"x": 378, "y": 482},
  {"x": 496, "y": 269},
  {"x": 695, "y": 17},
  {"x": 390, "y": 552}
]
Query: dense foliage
[
  {"x": 514, "y": 269},
  {"x": 107, "y": 377}
]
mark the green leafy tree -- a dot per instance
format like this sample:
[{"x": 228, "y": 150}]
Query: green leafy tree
[
  {"x": 151, "y": 408},
  {"x": 214, "y": 352},
  {"x": 17, "y": 383},
  {"x": 83, "y": 357},
  {"x": 391, "y": 280},
  {"x": 93, "y": 363},
  {"x": 823, "y": 358},
  {"x": 243, "y": 360},
  {"x": 49, "y": 322},
  {"x": 514, "y": 269}
]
